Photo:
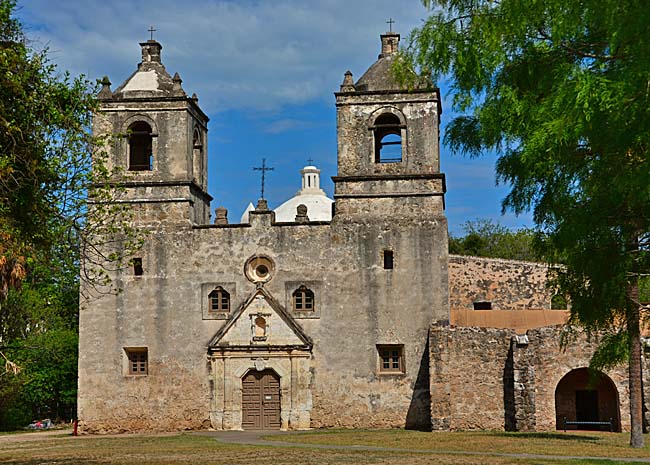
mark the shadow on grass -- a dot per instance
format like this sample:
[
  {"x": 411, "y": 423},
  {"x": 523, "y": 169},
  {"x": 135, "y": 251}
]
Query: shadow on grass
[{"x": 559, "y": 436}]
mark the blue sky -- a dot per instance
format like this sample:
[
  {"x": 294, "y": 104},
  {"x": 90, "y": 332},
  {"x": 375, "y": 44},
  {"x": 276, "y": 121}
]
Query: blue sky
[{"x": 265, "y": 73}]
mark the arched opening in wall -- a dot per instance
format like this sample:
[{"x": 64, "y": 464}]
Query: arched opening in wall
[
  {"x": 388, "y": 139},
  {"x": 558, "y": 302},
  {"x": 261, "y": 400},
  {"x": 140, "y": 147},
  {"x": 579, "y": 398},
  {"x": 197, "y": 156}
]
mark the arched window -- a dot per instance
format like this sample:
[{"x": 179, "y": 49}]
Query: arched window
[
  {"x": 219, "y": 300},
  {"x": 197, "y": 155},
  {"x": 140, "y": 147},
  {"x": 558, "y": 302},
  {"x": 260, "y": 328},
  {"x": 388, "y": 139},
  {"x": 303, "y": 299}
]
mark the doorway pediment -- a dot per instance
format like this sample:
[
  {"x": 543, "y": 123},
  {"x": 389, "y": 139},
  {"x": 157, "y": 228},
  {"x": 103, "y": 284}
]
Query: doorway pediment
[{"x": 260, "y": 322}]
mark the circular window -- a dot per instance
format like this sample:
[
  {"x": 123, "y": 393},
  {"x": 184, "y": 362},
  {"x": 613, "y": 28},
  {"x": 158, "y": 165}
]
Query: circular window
[{"x": 259, "y": 269}]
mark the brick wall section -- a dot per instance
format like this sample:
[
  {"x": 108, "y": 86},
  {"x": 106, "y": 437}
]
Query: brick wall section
[{"x": 508, "y": 284}]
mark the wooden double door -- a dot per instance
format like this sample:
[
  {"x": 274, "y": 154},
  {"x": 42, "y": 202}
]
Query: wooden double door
[{"x": 261, "y": 400}]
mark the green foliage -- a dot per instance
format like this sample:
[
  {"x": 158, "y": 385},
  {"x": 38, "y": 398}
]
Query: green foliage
[
  {"x": 558, "y": 302},
  {"x": 47, "y": 151},
  {"x": 612, "y": 351},
  {"x": 58, "y": 217},
  {"x": 485, "y": 238},
  {"x": 560, "y": 90},
  {"x": 39, "y": 327}
]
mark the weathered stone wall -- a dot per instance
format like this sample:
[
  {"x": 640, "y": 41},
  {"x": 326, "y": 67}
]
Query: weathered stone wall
[
  {"x": 467, "y": 371},
  {"x": 362, "y": 305},
  {"x": 494, "y": 379},
  {"x": 394, "y": 206},
  {"x": 507, "y": 284},
  {"x": 548, "y": 363}
]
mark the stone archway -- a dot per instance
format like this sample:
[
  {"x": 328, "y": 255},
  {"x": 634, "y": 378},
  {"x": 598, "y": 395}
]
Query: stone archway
[{"x": 579, "y": 400}]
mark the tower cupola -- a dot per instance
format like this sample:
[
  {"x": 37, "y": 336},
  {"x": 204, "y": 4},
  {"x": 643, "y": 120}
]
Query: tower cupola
[
  {"x": 160, "y": 143},
  {"x": 388, "y": 142}
]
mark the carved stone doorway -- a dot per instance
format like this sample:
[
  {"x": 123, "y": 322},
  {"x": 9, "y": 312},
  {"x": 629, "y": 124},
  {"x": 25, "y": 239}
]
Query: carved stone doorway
[{"x": 261, "y": 400}]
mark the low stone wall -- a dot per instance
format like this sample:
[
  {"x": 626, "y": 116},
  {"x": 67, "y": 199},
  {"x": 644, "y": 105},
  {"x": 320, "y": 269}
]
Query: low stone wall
[
  {"x": 547, "y": 363},
  {"x": 506, "y": 284},
  {"x": 487, "y": 378},
  {"x": 467, "y": 373}
]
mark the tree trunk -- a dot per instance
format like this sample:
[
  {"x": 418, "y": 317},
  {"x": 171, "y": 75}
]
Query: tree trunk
[{"x": 635, "y": 385}]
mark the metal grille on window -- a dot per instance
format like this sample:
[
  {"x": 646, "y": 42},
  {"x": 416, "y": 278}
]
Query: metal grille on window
[{"x": 138, "y": 361}]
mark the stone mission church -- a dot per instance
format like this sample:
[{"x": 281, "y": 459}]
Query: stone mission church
[{"x": 344, "y": 313}]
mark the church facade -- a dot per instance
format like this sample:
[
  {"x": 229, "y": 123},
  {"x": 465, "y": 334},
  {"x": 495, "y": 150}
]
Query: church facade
[{"x": 295, "y": 321}]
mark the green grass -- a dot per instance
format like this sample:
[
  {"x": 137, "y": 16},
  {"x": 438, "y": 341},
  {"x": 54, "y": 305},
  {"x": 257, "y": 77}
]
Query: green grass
[
  {"x": 594, "y": 444},
  {"x": 189, "y": 448}
]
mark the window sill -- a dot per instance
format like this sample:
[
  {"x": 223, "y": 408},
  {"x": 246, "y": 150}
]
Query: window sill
[{"x": 395, "y": 374}]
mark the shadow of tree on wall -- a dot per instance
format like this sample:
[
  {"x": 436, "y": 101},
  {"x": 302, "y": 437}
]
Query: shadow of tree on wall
[
  {"x": 510, "y": 421},
  {"x": 419, "y": 413}
]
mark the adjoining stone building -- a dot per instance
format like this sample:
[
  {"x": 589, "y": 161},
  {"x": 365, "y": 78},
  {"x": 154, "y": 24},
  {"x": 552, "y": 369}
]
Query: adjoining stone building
[{"x": 299, "y": 321}]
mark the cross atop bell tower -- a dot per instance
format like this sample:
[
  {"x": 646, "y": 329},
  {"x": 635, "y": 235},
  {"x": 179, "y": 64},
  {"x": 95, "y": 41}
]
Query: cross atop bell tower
[
  {"x": 388, "y": 142},
  {"x": 160, "y": 142}
]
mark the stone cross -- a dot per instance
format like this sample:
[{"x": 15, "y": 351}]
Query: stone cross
[
  {"x": 263, "y": 169},
  {"x": 151, "y": 31},
  {"x": 390, "y": 23}
]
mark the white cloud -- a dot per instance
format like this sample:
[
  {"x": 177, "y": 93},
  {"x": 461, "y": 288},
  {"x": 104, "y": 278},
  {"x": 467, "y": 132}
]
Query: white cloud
[{"x": 244, "y": 54}]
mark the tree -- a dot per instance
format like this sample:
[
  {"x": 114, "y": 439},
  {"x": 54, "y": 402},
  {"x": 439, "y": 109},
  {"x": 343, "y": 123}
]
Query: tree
[
  {"x": 46, "y": 152},
  {"x": 485, "y": 238},
  {"x": 560, "y": 90},
  {"x": 54, "y": 210}
]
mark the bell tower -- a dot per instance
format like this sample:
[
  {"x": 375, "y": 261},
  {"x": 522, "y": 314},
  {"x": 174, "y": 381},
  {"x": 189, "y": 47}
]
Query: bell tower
[
  {"x": 159, "y": 143},
  {"x": 388, "y": 144}
]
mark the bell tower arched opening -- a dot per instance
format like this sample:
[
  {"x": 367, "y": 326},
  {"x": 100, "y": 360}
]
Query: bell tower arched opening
[
  {"x": 388, "y": 139},
  {"x": 140, "y": 147},
  {"x": 579, "y": 398}
]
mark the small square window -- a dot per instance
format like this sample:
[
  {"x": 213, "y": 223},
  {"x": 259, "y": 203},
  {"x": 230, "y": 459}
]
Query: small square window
[
  {"x": 483, "y": 305},
  {"x": 391, "y": 358},
  {"x": 138, "y": 361},
  {"x": 388, "y": 259}
]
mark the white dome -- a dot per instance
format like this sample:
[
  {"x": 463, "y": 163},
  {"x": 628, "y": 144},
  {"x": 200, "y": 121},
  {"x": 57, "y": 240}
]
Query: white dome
[{"x": 319, "y": 208}]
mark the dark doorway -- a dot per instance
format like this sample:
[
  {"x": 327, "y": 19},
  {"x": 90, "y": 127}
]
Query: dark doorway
[
  {"x": 587, "y": 405},
  {"x": 261, "y": 400}
]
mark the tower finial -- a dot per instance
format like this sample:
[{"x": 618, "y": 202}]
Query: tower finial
[
  {"x": 151, "y": 31},
  {"x": 390, "y": 23}
]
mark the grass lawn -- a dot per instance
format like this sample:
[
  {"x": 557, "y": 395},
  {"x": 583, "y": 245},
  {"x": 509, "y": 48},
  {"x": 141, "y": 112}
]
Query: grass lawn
[
  {"x": 580, "y": 443},
  {"x": 189, "y": 448}
]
